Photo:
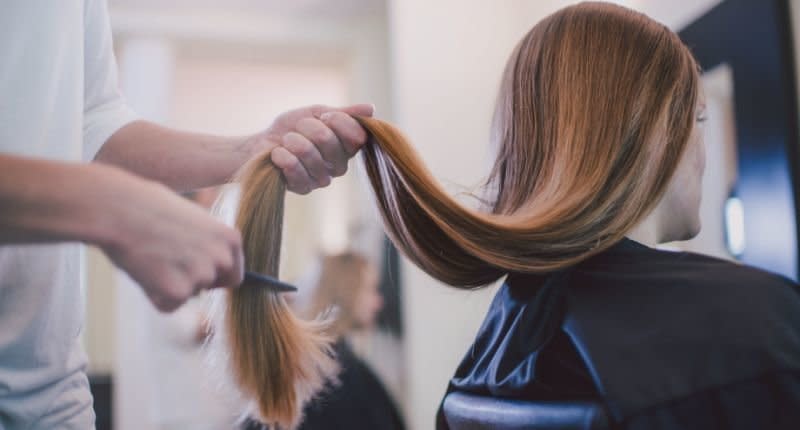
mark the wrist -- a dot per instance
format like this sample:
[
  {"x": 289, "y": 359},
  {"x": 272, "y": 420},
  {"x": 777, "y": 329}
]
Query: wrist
[
  {"x": 107, "y": 213},
  {"x": 259, "y": 143}
]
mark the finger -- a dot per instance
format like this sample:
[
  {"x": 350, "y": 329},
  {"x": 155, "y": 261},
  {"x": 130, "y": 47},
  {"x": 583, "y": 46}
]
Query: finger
[
  {"x": 361, "y": 109},
  {"x": 350, "y": 133},
  {"x": 327, "y": 143},
  {"x": 230, "y": 267},
  {"x": 308, "y": 154},
  {"x": 164, "y": 293},
  {"x": 164, "y": 305},
  {"x": 226, "y": 275},
  {"x": 317, "y": 110},
  {"x": 203, "y": 277},
  {"x": 238, "y": 263},
  {"x": 297, "y": 178}
]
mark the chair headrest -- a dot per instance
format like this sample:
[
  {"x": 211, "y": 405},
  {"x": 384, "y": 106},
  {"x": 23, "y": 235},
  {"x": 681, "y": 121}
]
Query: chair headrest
[{"x": 471, "y": 412}]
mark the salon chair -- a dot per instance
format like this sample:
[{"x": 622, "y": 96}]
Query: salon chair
[{"x": 471, "y": 412}]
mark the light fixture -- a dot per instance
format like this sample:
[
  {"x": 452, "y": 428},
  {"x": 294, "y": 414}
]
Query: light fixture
[{"x": 734, "y": 225}]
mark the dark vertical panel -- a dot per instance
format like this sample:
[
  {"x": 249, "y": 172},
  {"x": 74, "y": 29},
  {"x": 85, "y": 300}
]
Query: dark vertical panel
[
  {"x": 390, "y": 318},
  {"x": 102, "y": 392},
  {"x": 755, "y": 39}
]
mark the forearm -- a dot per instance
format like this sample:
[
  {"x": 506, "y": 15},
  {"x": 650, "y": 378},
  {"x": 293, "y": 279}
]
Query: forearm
[
  {"x": 46, "y": 201},
  {"x": 178, "y": 159}
]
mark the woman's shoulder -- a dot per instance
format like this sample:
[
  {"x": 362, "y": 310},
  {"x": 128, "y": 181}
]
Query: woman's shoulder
[
  {"x": 713, "y": 321},
  {"x": 720, "y": 270},
  {"x": 688, "y": 294},
  {"x": 630, "y": 263}
]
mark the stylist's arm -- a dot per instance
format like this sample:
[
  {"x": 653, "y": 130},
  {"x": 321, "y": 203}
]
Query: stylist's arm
[{"x": 125, "y": 203}]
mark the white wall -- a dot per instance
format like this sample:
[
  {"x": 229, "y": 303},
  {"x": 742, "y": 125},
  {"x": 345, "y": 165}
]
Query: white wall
[{"x": 447, "y": 58}]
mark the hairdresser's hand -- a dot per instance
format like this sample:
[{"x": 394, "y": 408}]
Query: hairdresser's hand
[
  {"x": 167, "y": 244},
  {"x": 315, "y": 144}
]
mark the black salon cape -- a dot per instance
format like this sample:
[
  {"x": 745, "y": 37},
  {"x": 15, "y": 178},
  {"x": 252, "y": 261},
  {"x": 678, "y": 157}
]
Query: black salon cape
[
  {"x": 358, "y": 402},
  {"x": 665, "y": 340}
]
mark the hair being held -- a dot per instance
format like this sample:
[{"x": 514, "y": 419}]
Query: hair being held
[
  {"x": 595, "y": 110},
  {"x": 277, "y": 361}
]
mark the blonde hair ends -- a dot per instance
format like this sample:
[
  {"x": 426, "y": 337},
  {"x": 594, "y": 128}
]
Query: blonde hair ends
[{"x": 276, "y": 359}]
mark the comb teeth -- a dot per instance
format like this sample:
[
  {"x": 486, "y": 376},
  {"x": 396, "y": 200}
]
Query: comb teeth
[{"x": 269, "y": 282}]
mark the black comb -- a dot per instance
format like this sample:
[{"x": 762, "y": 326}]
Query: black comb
[{"x": 267, "y": 281}]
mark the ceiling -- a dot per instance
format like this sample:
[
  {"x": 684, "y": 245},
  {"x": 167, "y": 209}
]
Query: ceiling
[{"x": 291, "y": 8}]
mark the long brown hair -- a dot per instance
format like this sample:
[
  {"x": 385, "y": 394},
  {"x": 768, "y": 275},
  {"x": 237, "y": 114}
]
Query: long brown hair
[
  {"x": 277, "y": 360},
  {"x": 596, "y": 106},
  {"x": 595, "y": 109}
]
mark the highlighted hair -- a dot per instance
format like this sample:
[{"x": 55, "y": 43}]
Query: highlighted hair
[
  {"x": 595, "y": 110},
  {"x": 277, "y": 360}
]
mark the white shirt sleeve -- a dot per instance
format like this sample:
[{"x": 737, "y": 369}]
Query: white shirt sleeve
[{"x": 104, "y": 108}]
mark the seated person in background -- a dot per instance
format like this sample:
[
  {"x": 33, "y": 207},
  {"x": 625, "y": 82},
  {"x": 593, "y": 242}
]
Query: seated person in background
[
  {"x": 348, "y": 283},
  {"x": 348, "y": 286}
]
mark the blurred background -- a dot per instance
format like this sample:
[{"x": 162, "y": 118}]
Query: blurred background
[{"x": 431, "y": 67}]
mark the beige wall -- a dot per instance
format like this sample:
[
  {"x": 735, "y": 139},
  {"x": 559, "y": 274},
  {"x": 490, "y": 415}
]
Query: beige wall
[
  {"x": 101, "y": 294},
  {"x": 447, "y": 59}
]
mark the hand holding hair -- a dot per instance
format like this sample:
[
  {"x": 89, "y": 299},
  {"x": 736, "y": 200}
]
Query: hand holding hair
[{"x": 315, "y": 144}]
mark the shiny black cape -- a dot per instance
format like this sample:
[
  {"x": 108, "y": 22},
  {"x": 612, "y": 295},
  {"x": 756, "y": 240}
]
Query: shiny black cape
[{"x": 664, "y": 339}]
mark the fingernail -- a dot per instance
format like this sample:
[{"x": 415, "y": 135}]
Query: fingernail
[
  {"x": 373, "y": 108},
  {"x": 326, "y": 116}
]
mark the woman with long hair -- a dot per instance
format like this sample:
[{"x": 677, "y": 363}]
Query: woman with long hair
[{"x": 600, "y": 152}]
